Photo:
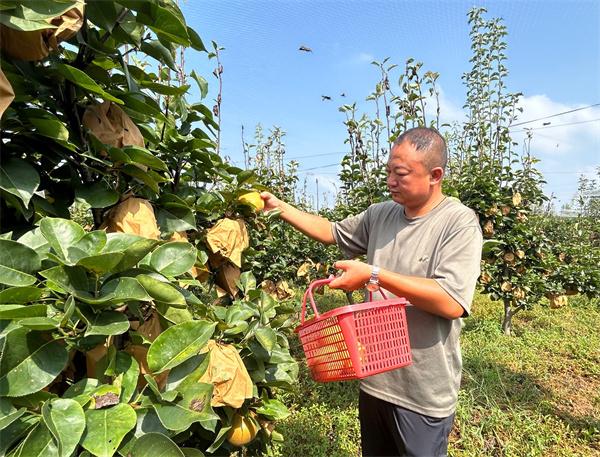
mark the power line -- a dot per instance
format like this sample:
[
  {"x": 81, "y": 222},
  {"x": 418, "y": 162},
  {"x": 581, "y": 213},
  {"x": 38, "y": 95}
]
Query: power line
[
  {"x": 315, "y": 155},
  {"x": 557, "y": 125},
  {"x": 554, "y": 115},
  {"x": 322, "y": 166}
]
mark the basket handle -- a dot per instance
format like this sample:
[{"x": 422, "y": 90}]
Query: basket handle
[
  {"x": 309, "y": 294},
  {"x": 380, "y": 291}
]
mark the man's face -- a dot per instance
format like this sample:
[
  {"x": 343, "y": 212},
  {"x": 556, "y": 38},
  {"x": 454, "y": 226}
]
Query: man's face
[{"x": 408, "y": 179}]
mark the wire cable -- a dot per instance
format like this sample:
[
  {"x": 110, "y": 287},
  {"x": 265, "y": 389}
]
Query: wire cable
[
  {"x": 554, "y": 115},
  {"x": 553, "y": 126}
]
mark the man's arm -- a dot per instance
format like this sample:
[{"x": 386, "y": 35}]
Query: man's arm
[
  {"x": 424, "y": 293},
  {"x": 311, "y": 225}
]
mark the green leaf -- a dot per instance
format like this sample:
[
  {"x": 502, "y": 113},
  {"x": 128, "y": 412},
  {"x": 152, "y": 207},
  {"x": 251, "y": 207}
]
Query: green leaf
[
  {"x": 39, "y": 443},
  {"x": 105, "y": 323},
  {"x": 81, "y": 79},
  {"x": 61, "y": 234},
  {"x": 18, "y": 23},
  {"x": 147, "y": 422},
  {"x": 66, "y": 421},
  {"x": 202, "y": 84},
  {"x": 82, "y": 389},
  {"x": 267, "y": 338},
  {"x": 122, "y": 290},
  {"x": 17, "y": 263},
  {"x": 103, "y": 14},
  {"x": 139, "y": 103},
  {"x": 35, "y": 400},
  {"x": 8, "y": 413},
  {"x": 273, "y": 409},
  {"x": 20, "y": 311},
  {"x": 247, "y": 282},
  {"x": 193, "y": 407},
  {"x": 117, "y": 242},
  {"x": 191, "y": 452},
  {"x": 167, "y": 24},
  {"x": 134, "y": 248},
  {"x": 164, "y": 89},
  {"x": 127, "y": 371},
  {"x": 97, "y": 195},
  {"x": 92, "y": 243},
  {"x": 70, "y": 279},
  {"x": 219, "y": 439},
  {"x": 155, "y": 444},
  {"x": 20, "y": 295},
  {"x": 172, "y": 314},
  {"x": 106, "y": 428},
  {"x": 15, "y": 432},
  {"x": 101, "y": 263},
  {"x": 187, "y": 373},
  {"x": 144, "y": 157},
  {"x": 173, "y": 217},
  {"x": 39, "y": 323},
  {"x": 155, "y": 49},
  {"x": 52, "y": 128},
  {"x": 12, "y": 277},
  {"x": 178, "y": 343},
  {"x": 45, "y": 9},
  {"x": 20, "y": 179},
  {"x": 161, "y": 291},
  {"x": 29, "y": 363},
  {"x": 140, "y": 175},
  {"x": 36, "y": 241},
  {"x": 489, "y": 245},
  {"x": 195, "y": 40},
  {"x": 174, "y": 258}
]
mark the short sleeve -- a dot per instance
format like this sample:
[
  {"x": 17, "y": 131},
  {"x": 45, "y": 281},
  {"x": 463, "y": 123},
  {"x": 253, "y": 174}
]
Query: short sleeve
[
  {"x": 459, "y": 265},
  {"x": 352, "y": 234}
]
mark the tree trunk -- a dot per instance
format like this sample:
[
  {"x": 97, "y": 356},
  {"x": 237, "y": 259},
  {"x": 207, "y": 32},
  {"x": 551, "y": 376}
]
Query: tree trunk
[{"x": 507, "y": 321}]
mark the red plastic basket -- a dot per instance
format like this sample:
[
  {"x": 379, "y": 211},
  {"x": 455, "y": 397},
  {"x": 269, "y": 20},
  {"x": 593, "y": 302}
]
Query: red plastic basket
[{"x": 355, "y": 341}]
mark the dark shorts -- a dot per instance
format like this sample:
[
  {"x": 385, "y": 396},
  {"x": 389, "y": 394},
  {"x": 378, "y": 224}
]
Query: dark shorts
[{"x": 387, "y": 429}]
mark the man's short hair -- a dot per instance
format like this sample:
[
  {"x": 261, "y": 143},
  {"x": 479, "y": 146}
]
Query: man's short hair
[{"x": 431, "y": 144}]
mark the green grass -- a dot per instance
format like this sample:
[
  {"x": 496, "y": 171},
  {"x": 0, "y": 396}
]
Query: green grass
[{"x": 536, "y": 393}]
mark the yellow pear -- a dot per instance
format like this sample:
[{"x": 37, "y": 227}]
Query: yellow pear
[{"x": 253, "y": 200}]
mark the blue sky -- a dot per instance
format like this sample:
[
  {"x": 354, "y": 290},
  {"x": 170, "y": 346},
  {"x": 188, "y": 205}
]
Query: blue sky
[{"x": 553, "y": 59}]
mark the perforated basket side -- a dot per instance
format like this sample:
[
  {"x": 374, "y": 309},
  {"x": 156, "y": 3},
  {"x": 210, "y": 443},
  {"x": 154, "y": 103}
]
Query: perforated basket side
[
  {"x": 382, "y": 339},
  {"x": 326, "y": 350}
]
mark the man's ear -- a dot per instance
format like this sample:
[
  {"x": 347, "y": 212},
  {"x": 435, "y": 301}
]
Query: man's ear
[{"x": 436, "y": 174}]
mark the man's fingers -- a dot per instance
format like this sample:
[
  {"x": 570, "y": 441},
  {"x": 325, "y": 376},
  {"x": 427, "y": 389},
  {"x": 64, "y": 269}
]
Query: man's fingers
[
  {"x": 337, "y": 283},
  {"x": 341, "y": 265}
]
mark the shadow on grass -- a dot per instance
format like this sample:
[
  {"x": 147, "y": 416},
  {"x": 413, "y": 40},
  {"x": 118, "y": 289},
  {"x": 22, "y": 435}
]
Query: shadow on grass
[{"x": 492, "y": 385}]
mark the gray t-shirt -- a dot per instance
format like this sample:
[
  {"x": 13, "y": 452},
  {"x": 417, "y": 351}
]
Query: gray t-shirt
[{"x": 445, "y": 245}]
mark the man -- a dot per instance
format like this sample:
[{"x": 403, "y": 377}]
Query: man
[{"x": 425, "y": 247}]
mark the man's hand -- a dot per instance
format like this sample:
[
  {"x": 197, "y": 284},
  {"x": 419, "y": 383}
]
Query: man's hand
[
  {"x": 355, "y": 275},
  {"x": 271, "y": 201}
]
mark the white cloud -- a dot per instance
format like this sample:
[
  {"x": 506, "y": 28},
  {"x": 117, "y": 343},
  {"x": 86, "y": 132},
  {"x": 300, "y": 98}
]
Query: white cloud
[
  {"x": 449, "y": 112},
  {"x": 581, "y": 137},
  {"x": 565, "y": 151},
  {"x": 363, "y": 57}
]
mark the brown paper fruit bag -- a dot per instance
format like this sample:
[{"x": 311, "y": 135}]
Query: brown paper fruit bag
[
  {"x": 112, "y": 126},
  {"x": 37, "y": 44},
  {"x": 227, "y": 373},
  {"x": 135, "y": 216},
  {"x": 7, "y": 94}
]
